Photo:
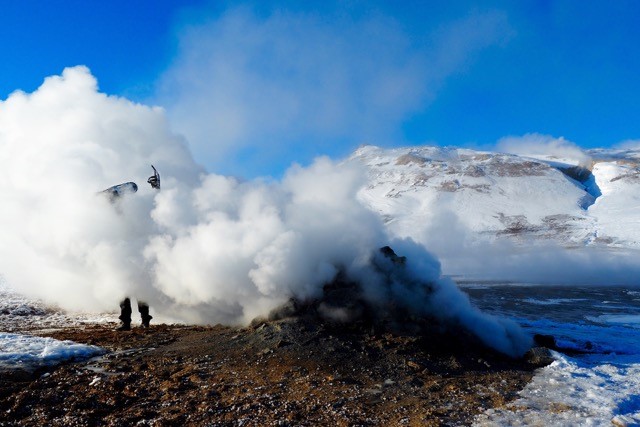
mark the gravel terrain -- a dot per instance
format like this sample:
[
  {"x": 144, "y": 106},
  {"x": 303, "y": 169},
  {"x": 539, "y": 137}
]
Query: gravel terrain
[{"x": 285, "y": 372}]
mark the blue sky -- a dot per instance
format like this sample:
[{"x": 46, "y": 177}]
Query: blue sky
[{"x": 254, "y": 86}]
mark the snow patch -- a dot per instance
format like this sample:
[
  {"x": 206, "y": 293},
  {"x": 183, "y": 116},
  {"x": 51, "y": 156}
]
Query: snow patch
[
  {"x": 616, "y": 211},
  {"x": 631, "y": 320},
  {"x": 29, "y": 352},
  {"x": 551, "y": 301},
  {"x": 570, "y": 392}
]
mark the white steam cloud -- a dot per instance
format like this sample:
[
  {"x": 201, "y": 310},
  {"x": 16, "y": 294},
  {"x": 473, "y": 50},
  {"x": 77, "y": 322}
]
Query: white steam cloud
[
  {"x": 629, "y": 144},
  {"x": 206, "y": 248},
  {"x": 249, "y": 90},
  {"x": 468, "y": 254},
  {"x": 58, "y": 147},
  {"x": 535, "y": 144}
]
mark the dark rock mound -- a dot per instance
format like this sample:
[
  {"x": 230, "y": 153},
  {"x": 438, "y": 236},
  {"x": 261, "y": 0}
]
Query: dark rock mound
[{"x": 345, "y": 308}]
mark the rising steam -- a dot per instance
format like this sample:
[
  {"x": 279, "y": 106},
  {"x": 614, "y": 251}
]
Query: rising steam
[{"x": 206, "y": 248}]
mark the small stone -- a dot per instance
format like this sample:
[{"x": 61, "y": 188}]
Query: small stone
[
  {"x": 539, "y": 356},
  {"x": 547, "y": 341},
  {"x": 413, "y": 365}
]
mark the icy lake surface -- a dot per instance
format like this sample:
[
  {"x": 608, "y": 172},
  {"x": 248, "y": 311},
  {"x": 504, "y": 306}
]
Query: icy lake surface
[{"x": 598, "y": 388}]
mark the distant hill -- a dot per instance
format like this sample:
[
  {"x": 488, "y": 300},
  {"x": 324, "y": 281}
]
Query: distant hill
[{"x": 572, "y": 202}]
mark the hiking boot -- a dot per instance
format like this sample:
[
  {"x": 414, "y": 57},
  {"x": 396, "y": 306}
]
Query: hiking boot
[
  {"x": 125, "y": 315},
  {"x": 124, "y": 327},
  {"x": 145, "y": 321},
  {"x": 143, "y": 308}
]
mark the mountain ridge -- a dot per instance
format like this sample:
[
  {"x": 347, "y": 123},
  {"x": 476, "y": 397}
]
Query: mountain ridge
[{"x": 525, "y": 198}]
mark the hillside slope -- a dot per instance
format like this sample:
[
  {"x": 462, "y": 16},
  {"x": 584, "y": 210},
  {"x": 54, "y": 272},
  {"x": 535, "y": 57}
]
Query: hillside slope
[{"x": 495, "y": 195}]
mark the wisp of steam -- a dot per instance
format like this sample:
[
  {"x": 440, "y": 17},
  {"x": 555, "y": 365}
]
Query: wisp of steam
[{"x": 206, "y": 248}]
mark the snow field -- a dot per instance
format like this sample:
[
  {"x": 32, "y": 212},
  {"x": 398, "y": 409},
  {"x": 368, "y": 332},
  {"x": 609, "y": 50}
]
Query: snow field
[{"x": 576, "y": 393}]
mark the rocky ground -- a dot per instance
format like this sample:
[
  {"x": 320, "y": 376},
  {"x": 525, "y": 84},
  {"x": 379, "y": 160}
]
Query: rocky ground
[{"x": 285, "y": 372}]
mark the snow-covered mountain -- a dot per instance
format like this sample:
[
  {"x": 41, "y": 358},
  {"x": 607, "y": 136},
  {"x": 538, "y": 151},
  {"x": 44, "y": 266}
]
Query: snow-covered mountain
[{"x": 496, "y": 195}]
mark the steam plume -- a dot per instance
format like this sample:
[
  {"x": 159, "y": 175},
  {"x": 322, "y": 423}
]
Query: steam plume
[{"x": 207, "y": 248}]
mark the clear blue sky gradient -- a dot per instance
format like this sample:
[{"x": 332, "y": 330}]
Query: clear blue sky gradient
[
  {"x": 569, "y": 68},
  {"x": 126, "y": 44}
]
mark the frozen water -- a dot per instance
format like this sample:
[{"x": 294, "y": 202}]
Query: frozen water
[
  {"x": 576, "y": 392},
  {"x": 600, "y": 385},
  {"x": 27, "y": 352},
  {"x": 20, "y": 317},
  {"x": 631, "y": 320},
  {"x": 19, "y": 314},
  {"x": 551, "y": 301}
]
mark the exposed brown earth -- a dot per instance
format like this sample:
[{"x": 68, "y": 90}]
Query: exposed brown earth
[{"x": 283, "y": 373}]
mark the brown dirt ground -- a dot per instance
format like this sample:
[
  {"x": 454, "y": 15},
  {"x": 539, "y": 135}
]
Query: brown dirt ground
[{"x": 279, "y": 373}]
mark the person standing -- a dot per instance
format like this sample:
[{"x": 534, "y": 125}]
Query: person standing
[{"x": 114, "y": 193}]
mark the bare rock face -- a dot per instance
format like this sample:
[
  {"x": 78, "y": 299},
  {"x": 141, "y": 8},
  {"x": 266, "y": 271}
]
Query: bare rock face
[
  {"x": 548, "y": 341},
  {"x": 345, "y": 306},
  {"x": 343, "y": 303}
]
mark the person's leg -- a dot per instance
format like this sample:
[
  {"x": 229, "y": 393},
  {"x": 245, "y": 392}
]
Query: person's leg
[
  {"x": 143, "y": 308},
  {"x": 125, "y": 315}
]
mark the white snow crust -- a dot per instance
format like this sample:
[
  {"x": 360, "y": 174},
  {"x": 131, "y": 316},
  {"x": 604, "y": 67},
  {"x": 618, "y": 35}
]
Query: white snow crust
[
  {"x": 28, "y": 352},
  {"x": 20, "y": 317},
  {"x": 572, "y": 392},
  {"x": 20, "y": 314}
]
